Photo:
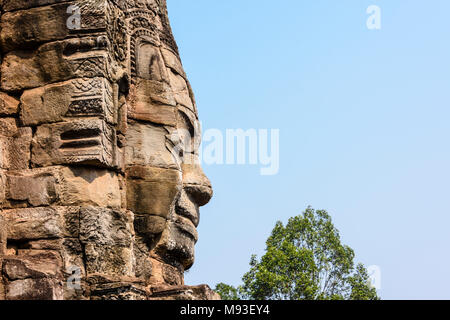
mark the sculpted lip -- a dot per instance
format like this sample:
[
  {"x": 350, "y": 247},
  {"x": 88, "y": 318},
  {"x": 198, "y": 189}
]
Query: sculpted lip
[
  {"x": 187, "y": 226},
  {"x": 188, "y": 209}
]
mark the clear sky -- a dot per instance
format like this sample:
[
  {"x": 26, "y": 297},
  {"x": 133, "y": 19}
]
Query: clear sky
[{"x": 364, "y": 129}]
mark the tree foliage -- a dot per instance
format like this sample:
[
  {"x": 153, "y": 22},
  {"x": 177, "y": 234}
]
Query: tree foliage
[
  {"x": 227, "y": 292},
  {"x": 304, "y": 260}
]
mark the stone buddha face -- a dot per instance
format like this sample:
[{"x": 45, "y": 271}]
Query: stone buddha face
[
  {"x": 107, "y": 131},
  {"x": 165, "y": 183}
]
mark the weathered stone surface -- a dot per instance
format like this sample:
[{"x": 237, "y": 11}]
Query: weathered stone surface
[
  {"x": 9, "y": 5},
  {"x": 19, "y": 149},
  {"x": 87, "y": 141},
  {"x": 41, "y": 265},
  {"x": 202, "y": 292},
  {"x": 14, "y": 145},
  {"x": 164, "y": 274},
  {"x": 148, "y": 145},
  {"x": 8, "y": 127},
  {"x": 35, "y": 289},
  {"x": 3, "y": 236},
  {"x": 2, "y": 186},
  {"x": 25, "y": 28},
  {"x": 178, "y": 241},
  {"x": 48, "y": 64},
  {"x": 158, "y": 107},
  {"x": 8, "y": 105},
  {"x": 107, "y": 237},
  {"x": 152, "y": 191},
  {"x": 144, "y": 266},
  {"x": 180, "y": 90},
  {"x": 74, "y": 98},
  {"x": 49, "y": 23},
  {"x": 119, "y": 291},
  {"x": 38, "y": 188},
  {"x": 64, "y": 186},
  {"x": 150, "y": 224},
  {"x": 105, "y": 226},
  {"x": 2, "y": 287},
  {"x": 172, "y": 61},
  {"x": 42, "y": 223},
  {"x": 88, "y": 187}
]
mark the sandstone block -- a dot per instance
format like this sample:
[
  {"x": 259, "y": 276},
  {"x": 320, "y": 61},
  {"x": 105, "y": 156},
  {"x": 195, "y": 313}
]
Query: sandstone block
[
  {"x": 8, "y": 105},
  {"x": 54, "y": 62},
  {"x": 19, "y": 149},
  {"x": 202, "y": 292},
  {"x": 74, "y": 98},
  {"x": 114, "y": 260},
  {"x": 9, "y": 5},
  {"x": 37, "y": 189},
  {"x": 8, "y": 127},
  {"x": 69, "y": 249},
  {"x": 148, "y": 145},
  {"x": 165, "y": 274},
  {"x": 2, "y": 185},
  {"x": 72, "y": 254},
  {"x": 90, "y": 142},
  {"x": 143, "y": 268},
  {"x": 172, "y": 61},
  {"x": 180, "y": 90},
  {"x": 64, "y": 186},
  {"x": 152, "y": 101},
  {"x": 3, "y": 236},
  {"x": 42, "y": 223},
  {"x": 4, "y": 145},
  {"x": 14, "y": 145},
  {"x": 152, "y": 191},
  {"x": 118, "y": 291},
  {"x": 25, "y": 28},
  {"x": 107, "y": 236},
  {"x": 90, "y": 187},
  {"x": 2, "y": 288},
  {"x": 150, "y": 224},
  {"x": 40, "y": 265},
  {"x": 36, "y": 25},
  {"x": 35, "y": 289},
  {"x": 106, "y": 227},
  {"x": 93, "y": 177},
  {"x": 52, "y": 244}
]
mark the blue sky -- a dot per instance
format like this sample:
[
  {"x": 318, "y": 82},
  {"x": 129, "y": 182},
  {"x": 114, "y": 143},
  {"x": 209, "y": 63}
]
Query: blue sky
[{"x": 364, "y": 129}]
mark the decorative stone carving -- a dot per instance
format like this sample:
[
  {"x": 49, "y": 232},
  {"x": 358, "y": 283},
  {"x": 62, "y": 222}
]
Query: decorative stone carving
[
  {"x": 100, "y": 188},
  {"x": 85, "y": 97}
]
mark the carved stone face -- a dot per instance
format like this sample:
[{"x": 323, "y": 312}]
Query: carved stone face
[
  {"x": 165, "y": 184},
  {"x": 99, "y": 138}
]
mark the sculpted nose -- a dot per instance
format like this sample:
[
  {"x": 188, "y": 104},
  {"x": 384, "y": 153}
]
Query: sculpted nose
[{"x": 197, "y": 184}]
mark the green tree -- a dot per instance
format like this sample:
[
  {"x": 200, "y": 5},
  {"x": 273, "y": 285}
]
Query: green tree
[
  {"x": 304, "y": 260},
  {"x": 227, "y": 292}
]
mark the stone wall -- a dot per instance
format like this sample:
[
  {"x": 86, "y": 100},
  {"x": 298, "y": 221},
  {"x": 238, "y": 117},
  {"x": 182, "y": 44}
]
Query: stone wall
[{"x": 97, "y": 198}]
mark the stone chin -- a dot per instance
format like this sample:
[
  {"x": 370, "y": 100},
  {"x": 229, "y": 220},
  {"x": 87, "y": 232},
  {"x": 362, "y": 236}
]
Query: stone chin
[{"x": 177, "y": 243}]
